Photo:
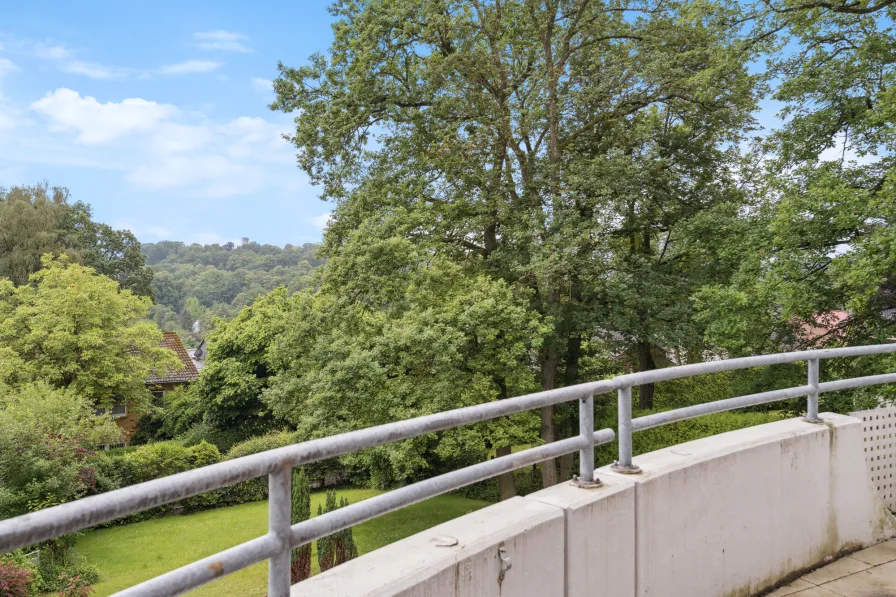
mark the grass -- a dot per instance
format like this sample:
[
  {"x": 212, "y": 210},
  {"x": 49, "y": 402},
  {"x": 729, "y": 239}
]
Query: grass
[{"x": 130, "y": 554}]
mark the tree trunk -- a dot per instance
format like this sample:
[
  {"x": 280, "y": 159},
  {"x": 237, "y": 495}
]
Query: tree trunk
[
  {"x": 548, "y": 427},
  {"x": 645, "y": 363},
  {"x": 570, "y": 378},
  {"x": 506, "y": 484},
  {"x": 566, "y": 467}
]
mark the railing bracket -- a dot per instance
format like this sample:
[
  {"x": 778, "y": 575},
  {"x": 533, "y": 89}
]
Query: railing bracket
[
  {"x": 632, "y": 469},
  {"x": 506, "y": 562},
  {"x": 581, "y": 484}
]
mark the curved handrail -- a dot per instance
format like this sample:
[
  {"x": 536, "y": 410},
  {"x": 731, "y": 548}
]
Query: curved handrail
[{"x": 277, "y": 464}]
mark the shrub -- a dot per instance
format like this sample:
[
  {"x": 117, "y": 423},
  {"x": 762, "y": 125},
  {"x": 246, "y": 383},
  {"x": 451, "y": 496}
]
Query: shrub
[
  {"x": 204, "y": 454},
  {"x": 17, "y": 578},
  {"x": 320, "y": 474},
  {"x": 301, "y": 511},
  {"x": 74, "y": 585},
  {"x": 527, "y": 480},
  {"x": 47, "y": 438},
  {"x": 339, "y": 547},
  {"x": 153, "y": 461},
  {"x": 57, "y": 572}
]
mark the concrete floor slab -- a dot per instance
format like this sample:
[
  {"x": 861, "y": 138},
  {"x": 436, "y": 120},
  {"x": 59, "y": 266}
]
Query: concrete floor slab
[
  {"x": 834, "y": 570},
  {"x": 794, "y": 587},
  {"x": 877, "y": 581},
  {"x": 870, "y": 572},
  {"x": 816, "y": 592},
  {"x": 877, "y": 554}
]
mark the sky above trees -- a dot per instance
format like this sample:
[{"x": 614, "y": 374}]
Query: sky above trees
[{"x": 156, "y": 114}]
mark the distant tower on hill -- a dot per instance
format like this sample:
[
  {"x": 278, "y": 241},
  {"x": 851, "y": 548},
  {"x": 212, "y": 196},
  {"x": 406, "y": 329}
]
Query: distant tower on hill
[{"x": 245, "y": 241}]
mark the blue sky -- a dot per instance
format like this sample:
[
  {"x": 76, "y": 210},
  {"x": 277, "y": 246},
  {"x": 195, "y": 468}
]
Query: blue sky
[{"x": 156, "y": 113}]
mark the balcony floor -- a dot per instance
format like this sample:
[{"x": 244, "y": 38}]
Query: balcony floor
[{"x": 867, "y": 573}]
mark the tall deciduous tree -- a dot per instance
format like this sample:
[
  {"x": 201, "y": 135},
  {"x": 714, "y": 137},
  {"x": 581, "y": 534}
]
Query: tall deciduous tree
[
  {"x": 820, "y": 236},
  {"x": 35, "y": 220},
  {"x": 238, "y": 369},
  {"x": 72, "y": 328},
  {"x": 560, "y": 146},
  {"x": 395, "y": 332}
]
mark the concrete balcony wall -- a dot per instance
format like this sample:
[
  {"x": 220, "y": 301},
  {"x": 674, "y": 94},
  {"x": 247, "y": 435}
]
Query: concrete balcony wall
[
  {"x": 726, "y": 516},
  {"x": 600, "y": 536},
  {"x": 735, "y": 514},
  {"x": 531, "y": 533}
]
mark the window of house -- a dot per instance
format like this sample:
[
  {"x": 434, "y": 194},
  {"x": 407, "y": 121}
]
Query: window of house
[
  {"x": 119, "y": 409},
  {"x": 158, "y": 394}
]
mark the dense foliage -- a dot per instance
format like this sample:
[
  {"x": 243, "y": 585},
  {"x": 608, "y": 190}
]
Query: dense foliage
[
  {"x": 819, "y": 234},
  {"x": 569, "y": 149},
  {"x": 196, "y": 283},
  {"x": 39, "y": 220},
  {"x": 47, "y": 442},
  {"x": 71, "y": 327}
]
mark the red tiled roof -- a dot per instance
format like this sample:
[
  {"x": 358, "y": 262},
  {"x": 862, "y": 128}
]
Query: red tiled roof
[
  {"x": 187, "y": 374},
  {"x": 830, "y": 325}
]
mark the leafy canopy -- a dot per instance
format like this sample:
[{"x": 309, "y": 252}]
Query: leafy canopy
[{"x": 73, "y": 328}]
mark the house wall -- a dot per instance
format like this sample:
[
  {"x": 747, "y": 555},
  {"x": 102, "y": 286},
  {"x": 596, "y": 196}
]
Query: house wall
[{"x": 131, "y": 422}]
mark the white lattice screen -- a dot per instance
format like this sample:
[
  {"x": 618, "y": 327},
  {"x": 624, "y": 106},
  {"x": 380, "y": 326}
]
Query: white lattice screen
[{"x": 879, "y": 428}]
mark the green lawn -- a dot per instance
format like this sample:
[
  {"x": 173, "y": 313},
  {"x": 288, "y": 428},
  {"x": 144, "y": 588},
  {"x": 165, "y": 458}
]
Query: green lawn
[{"x": 130, "y": 554}]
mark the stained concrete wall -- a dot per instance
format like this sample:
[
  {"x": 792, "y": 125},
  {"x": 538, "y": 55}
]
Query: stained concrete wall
[
  {"x": 734, "y": 514},
  {"x": 532, "y": 534},
  {"x": 724, "y": 516}
]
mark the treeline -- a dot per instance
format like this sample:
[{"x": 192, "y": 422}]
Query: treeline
[
  {"x": 39, "y": 219},
  {"x": 193, "y": 284}
]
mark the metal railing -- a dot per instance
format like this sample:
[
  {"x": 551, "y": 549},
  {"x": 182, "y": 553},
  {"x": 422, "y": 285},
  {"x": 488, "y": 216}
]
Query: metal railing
[{"x": 277, "y": 464}]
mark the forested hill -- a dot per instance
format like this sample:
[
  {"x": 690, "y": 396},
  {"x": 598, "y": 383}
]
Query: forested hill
[{"x": 199, "y": 282}]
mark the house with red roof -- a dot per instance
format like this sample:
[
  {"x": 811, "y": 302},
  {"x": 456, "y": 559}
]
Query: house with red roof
[{"x": 126, "y": 417}]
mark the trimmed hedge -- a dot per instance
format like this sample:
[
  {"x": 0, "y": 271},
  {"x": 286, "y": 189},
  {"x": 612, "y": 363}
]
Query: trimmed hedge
[{"x": 122, "y": 468}]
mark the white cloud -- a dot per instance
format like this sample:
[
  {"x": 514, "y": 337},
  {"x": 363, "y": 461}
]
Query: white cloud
[
  {"x": 154, "y": 146},
  {"x": 68, "y": 63},
  {"x": 96, "y": 122},
  {"x": 52, "y": 51},
  {"x": 220, "y": 40},
  {"x": 6, "y": 67},
  {"x": 188, "y": 67},
  {"x": 261, "y": 85},
  {"x": 321, "y": 221},
  {"x": 92, "y": 70}
]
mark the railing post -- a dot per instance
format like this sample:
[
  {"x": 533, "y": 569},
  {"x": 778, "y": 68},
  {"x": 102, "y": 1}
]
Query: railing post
[
  {"x": 812, "y": 402},
  {"x": 279, "y": 522},
  {"x": 586, "y": 478},
  {"x": 624, "y": 464}
]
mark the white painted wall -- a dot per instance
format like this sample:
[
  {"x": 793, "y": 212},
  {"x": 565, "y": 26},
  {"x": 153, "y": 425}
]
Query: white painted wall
[
  {"x": 600, "y": 536},
  {"x": 733, "y": 514},
  {"x": 532, "y": 534},
  {"x": 725, "y": 516}
]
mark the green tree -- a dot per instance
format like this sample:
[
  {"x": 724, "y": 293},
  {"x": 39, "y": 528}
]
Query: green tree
[
  {"x": 47, "y": 438},
  {"x": 395, "y": 333},
  {"x": 35, "y": 220},
  {"x": 73, "y": 328},
  {"x": 301, "y": 511},
  {"x": 562, "y": 147},
  {"x": 820, "y": 232},
  {"x": 237, "y": 370},
  {"x": 339, "y": 547}
]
